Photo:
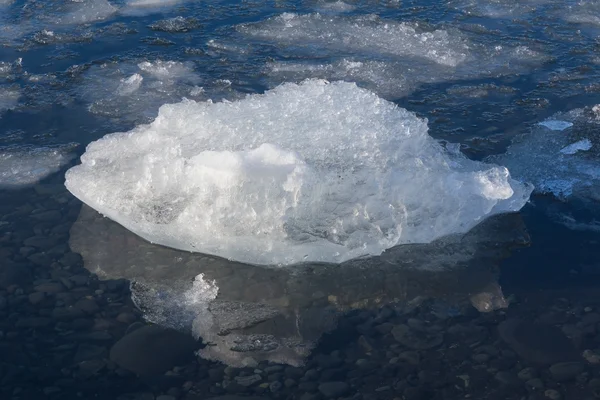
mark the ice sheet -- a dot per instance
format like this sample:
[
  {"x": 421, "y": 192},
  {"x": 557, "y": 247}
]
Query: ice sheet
[{"x": 310, "y": 172}]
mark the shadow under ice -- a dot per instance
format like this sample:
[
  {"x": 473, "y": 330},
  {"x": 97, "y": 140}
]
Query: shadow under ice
[{"x": 246, "y": 314}]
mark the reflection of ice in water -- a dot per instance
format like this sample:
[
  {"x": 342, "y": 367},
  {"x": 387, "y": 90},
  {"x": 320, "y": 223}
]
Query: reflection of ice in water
[
  {"x": 393, "y": 58},
  {"x": 248, "y": 314},
  {"x": 311, "y": 172},
  {"x": 25, "y": 166}
]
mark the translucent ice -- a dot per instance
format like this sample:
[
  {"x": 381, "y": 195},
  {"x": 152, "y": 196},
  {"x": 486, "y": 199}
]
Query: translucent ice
[
  {"x": 134, "y": 92},
  {"x": 556, "y": 125},
  {"x": 310, "y": 172},
  {"x": 279, "y": 314},
  {"x": 393, "y": 58},
  {"x": 88, "y": 11},
  {"x": 9, "y": 97},
  {"x": 582, "y": 145},
  {"x": 582, "y": 12},
  {"x": 21, "y": 166},
  {"x": 367, "y": 34},
  {"x": 143, "y": 7},
  {"x": 556, "y": 160},
  {"x": 386, "y": 79},
  {"x": 177, "y": 24},
  {"x": 335, "y": 6},
  {"x": 501, "y": 8}
]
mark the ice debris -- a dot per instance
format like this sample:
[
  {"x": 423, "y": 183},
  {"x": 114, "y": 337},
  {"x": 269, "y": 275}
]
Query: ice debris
[
  {"x": 557, "y": 161},
  {"x": 311, "y": 172},
  {"x": 134, "y": 92},
  {"x": 22, "y": 166},
  {"x": 390, "y": 57},
  {"x": 556, "y": 125},
  {"x": 9, "y": 97},
  {"x": 582, "y": 145}
]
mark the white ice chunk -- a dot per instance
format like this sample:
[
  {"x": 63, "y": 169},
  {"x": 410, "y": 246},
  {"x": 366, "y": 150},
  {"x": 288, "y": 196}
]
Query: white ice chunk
[
  {"x": 309, "y": 172},
  {"x": 130, "y": 85},
  {"x": 26, "y": 166},
  {"x": 556, "y": 125},
  {"x": 582, "y": 145}
]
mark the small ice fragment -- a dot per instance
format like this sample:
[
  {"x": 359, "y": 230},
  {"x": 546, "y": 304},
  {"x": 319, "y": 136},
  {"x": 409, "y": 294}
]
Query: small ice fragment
[
  {"x": 26, "y": 166},
  {"x": 582, "y": 145},
  {"x": 556, "y": 125},
  {"x": 9, "y": 97},
  {"x": 130, "y": 85}
]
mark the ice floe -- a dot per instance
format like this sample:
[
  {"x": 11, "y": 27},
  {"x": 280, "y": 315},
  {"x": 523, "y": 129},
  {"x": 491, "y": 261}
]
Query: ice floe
[
  {"x": 25, "y": 165},
  {"x": 558, "y": 155},
  {"x": 391, "y": 57},
  {"x": 311, "y": 172}
]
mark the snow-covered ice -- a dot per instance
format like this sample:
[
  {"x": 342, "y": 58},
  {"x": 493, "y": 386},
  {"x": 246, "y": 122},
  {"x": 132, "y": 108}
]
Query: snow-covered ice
[{"x": 310, "y": 172}]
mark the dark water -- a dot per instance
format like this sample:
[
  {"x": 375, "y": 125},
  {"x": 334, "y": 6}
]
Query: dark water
[{"x": 507, "y": 311}]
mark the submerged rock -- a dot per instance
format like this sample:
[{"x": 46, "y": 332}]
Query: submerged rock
[
  {"x": 537, "y": 343},
  {"x": 152, "y": 350}
]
